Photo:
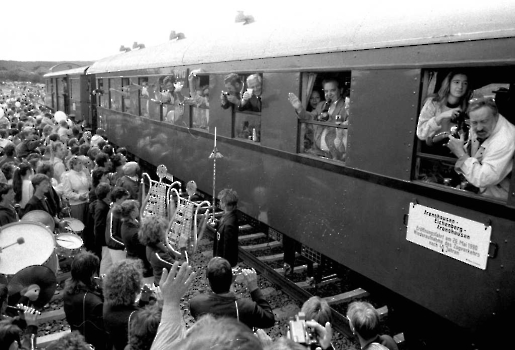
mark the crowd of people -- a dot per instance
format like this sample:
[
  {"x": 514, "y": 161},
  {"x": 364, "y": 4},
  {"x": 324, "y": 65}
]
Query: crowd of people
[{"x": 127, "y": 283}]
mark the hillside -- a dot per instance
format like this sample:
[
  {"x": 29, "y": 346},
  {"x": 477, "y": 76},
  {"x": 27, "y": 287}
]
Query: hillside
[{"x": 32, "y": 71}]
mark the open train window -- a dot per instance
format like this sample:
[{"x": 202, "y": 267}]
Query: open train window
[
  {"x": 247, "y": 119},
  {"x": 100, "y": 92},
  {"x": 170, "y": 96},
  {"x": 199, "y": 100},
  {"x": 323, "y": 111},
  {"x": 446, "y": 96},
  {"x": 126, "y": 95},
  {"x": 115, "y": 92}
]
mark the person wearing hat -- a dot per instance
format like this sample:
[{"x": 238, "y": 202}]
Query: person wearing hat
[{"x": 130, "y": 180}]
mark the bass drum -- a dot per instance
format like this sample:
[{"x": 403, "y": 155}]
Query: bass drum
[
  {"x": 40, "y": 216},
  {"x": 26, "y": 244}
]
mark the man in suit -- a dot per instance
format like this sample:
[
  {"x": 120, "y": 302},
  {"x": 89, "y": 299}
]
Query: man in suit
[
  {"x": 328, "y": 141},
  {"x": 251, "y": 99},
  {"x": 226, "y": 240},
  {"x": 222, "y": 302}
]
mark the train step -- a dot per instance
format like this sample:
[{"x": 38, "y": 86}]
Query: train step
[
  {"x": 54, "y": 315},
  {"x": 245, "y": 228},
  {"x": 346, "y": 297},
  {"x": 305, "y": 284},
  {"x": 251, "y": 236},
  {"x": 46, "y": 340},
  {"x": 271, "y": 258},
  {"x": 262, "y": 246}
]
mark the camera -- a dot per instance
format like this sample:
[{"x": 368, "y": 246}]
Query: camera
[
  {"x": 302, "y": 334},
  {"x": 461, "y": 128}
]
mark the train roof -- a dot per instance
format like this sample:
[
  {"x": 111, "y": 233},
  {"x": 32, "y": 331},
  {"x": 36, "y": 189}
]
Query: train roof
[
  {"x": 324, "y": 32},
  {"x": 73, "y": 71}
]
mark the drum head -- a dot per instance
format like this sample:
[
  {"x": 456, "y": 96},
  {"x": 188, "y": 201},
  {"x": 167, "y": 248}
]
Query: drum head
[
  {"x": 75, "y": 224},
  {"x": 42, "y": 276},
  {"x": 40, "y": 216},
  {"x": 38, "y": 245},
  {"x": 69, "y": 241}
]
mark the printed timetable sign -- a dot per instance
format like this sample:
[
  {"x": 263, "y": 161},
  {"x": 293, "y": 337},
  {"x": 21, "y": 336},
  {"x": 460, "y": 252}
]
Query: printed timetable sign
[{"x": 459, "y": 238}]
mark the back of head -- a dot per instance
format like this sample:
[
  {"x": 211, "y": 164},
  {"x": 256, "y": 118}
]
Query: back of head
[
  {"x": 4, "y": 189},
  {"x": 219, "y": 274},
  {"x": 9, "y": 149},
  {"x": 364, "y": 319},
  {"x": 123, "y": 282},
  {"x": 317, "y": 309},
  {"x": 9, "y": 333},
  {"x": 229, "y": 197},
  {"x": 152, "y": 230},
  {"x": 128, "y": 207},
  {"x": 131, "y": 168},
  {"x": 101, "y": 159},
  {"x": 143, "y": 327},
  {"x": 102, "y": 190},
  {"x": 84, "y": 266},
  {"x": 97, "y": 175},
  {"x": 219, "y": 334},
  {"x": 118, "y": 193},
  {"x": 71, "y": 341},
  {"x": 285, "y": 344}
]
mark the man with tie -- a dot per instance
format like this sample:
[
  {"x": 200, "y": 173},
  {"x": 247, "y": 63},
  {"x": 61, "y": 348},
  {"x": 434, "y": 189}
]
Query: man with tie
[
  {"x": 487, "y": 159},
  {"x": 328, "y": 141}
]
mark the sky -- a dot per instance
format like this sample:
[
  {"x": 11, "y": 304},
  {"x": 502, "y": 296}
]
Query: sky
[{"x": 78, "y": 30}]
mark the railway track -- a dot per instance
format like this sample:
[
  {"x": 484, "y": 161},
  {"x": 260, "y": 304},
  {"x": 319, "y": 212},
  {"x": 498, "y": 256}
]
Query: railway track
[{"x": 263, "y": 252}]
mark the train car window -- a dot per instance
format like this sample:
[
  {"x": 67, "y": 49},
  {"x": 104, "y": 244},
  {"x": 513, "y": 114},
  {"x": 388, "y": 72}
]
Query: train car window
[
  {"x": 126, "y": 95},
  {"x": 323, "y": 111},
  {"x": 199, "y": 100},
  {"x": 149, "y": 97},
  {"x": 171, "y": 98},
  {"x": 100, "y": 92},
  {"x": 242, "y": 94},
  {"x": 115, "y": 92},
  {"x": 452, "y": 150},
  {"x": 143, "y": 95}
]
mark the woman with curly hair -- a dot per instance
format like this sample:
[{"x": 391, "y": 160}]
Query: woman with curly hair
[
  {"x": 129, "y": 231},
  {"x": 121, "y": 287},
  {"x": 143, "y": 327},
  {"x": 152, "y": 233},
  {"x": 83, "y": 300}
]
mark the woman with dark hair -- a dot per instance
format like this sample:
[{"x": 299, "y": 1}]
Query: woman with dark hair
[
  {"x": 152, "y": 233},
  {"x": 8, "y": 170},
  {"x": 121, "y": 287},
  {"x": 441, "y": 108},
  {"x": 22, "y": 184},
  {"x": 98, "y": 176},
  {"x": 143, "y": 328},
  {"x": 118, "y": 161},
  {"x": 129, "y": 231},
  {"x": 113, "y": 234},
  {"x": 83, "y": 300},
  {"x": 7, "y": 212}
]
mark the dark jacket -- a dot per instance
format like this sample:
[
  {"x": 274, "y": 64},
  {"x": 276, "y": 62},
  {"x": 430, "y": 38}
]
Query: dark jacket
[
  {"x": 160, "y": 259},
  {"x": 113, "y": 233},
  {"x": 7, "y": 215},
  {"x": 131, "y": 186},
  {"x": 91, "y": 326},
  {"x": 135, "y": 250},
  {"x": 39, "y": 204},
  {"x": 254, "y": 313},
  {"x": 99, "y": 209},
  {"x": 226, "y": 239},
  {"x": 116, "y": 320}
]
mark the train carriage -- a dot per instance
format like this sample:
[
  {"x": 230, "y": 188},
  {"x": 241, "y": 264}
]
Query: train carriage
[
  {"x": 70, "y": 91},
  {"x": 371, "y": 207}
]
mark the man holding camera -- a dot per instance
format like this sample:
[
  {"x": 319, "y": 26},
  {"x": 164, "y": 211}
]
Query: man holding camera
[
  {"x": 231, "y": 97},
  {"x": 222, "y": 302},
  {"x": 487, "y": 159}
]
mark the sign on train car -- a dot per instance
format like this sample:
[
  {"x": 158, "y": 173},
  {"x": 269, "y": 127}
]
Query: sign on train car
[{"x": 462, "y": 239}]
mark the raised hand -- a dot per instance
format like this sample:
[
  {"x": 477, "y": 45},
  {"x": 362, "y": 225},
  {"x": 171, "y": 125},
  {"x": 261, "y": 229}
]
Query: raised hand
[
  {"x": 176, "y": 283},
  {"x": 295, "y": 102}
]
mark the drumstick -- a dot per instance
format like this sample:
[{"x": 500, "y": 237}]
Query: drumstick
[
  {"x": 62, "y": 239},
  {"x": 20, "y": 240}
]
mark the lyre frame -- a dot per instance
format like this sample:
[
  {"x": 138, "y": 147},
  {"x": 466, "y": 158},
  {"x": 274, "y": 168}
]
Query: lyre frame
[
  {"x": 152, "y": 183},
  {"x": 173, "y": 193}
]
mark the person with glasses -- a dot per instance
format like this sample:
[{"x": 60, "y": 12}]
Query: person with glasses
[{"x": 486, "y": 159}]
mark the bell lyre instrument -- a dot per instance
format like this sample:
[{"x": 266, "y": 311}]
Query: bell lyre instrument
[
  {"x": 187, "y": 224},
  {"x": 156, "y": 201}
]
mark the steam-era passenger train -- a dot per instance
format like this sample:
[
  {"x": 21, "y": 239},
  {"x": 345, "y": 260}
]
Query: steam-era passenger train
[{"x": 389, "y": 206}]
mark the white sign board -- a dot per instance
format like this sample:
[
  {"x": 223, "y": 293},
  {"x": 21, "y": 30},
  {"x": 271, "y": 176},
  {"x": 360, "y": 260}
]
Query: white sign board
[{"x": 459, "y": 238}]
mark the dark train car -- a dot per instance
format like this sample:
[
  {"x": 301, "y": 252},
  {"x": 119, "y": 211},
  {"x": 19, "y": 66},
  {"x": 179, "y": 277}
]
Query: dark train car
[
  {"x": 388, "y": 207},
  {"x": 70, "y": 91}
]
